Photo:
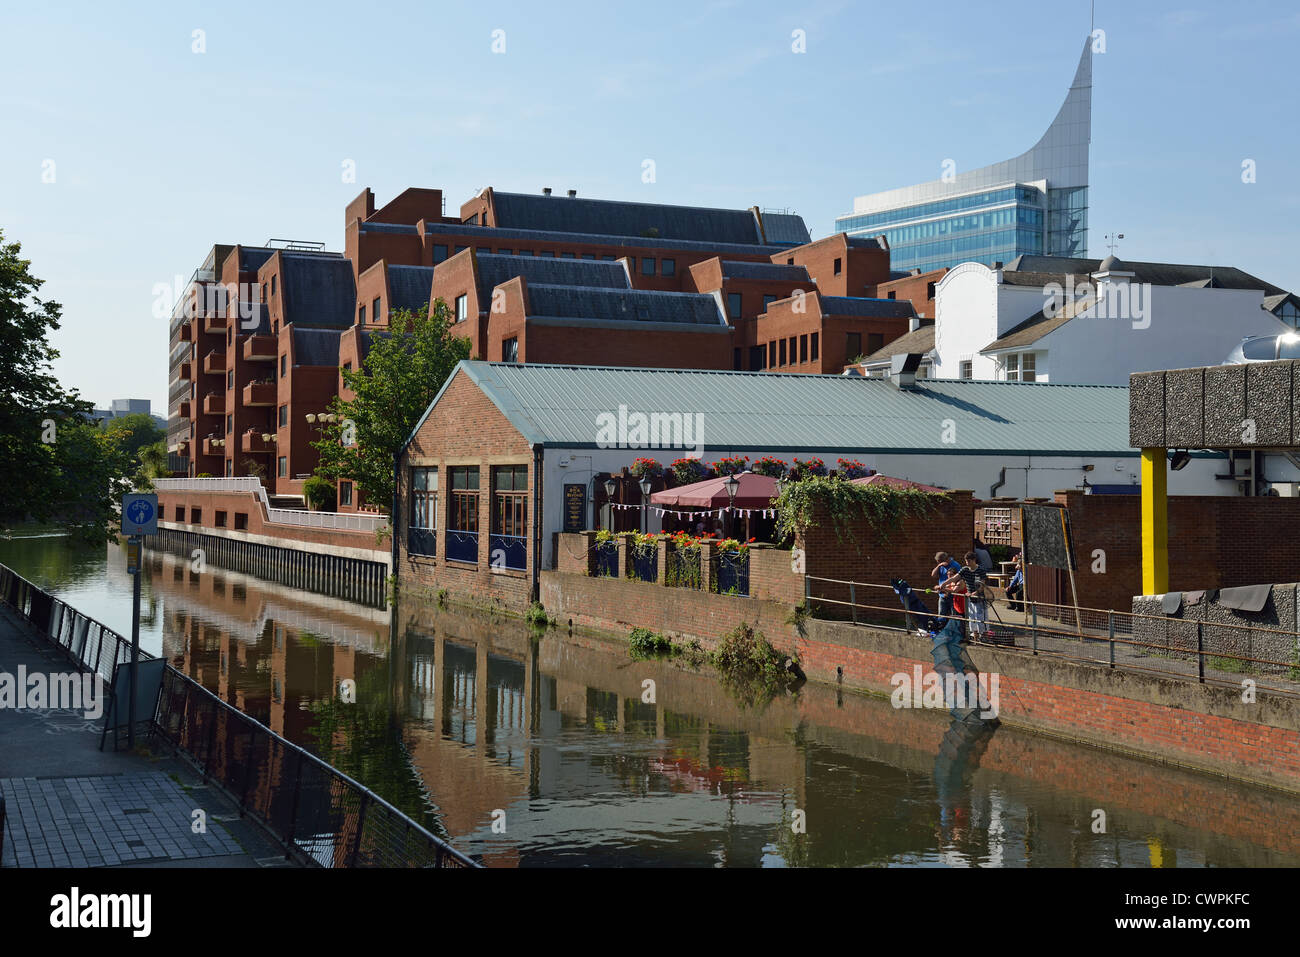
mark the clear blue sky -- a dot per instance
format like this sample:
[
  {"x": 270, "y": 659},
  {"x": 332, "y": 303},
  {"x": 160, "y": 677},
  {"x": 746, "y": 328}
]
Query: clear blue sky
[{"x": 160, "y": 152}]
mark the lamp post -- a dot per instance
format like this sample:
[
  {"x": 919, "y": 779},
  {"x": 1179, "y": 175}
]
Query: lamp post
[
  {"x": 609, "y": 503},
  {"x": 646, "y": 485},
  {"x": 732, "y": 484}
]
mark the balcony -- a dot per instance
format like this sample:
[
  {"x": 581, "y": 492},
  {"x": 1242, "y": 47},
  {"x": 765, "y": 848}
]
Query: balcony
[
  {"x": 187, "y": 370},
  {"x": 214, "y": 323},
  {"x": 186, "y": 331},
  {"x": 214, "y": 403},
  {"x": 183, "y": 410},
  {"x": 214, "y": 363},
  {"x": 214, "y": 445},
  {"x": 259, "y": 349},
  {"x": 260, "y": 393},
  {"x": 252, "y": 441}
]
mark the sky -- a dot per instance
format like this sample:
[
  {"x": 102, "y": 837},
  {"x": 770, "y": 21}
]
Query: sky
[{"x": 131, "y": 144}]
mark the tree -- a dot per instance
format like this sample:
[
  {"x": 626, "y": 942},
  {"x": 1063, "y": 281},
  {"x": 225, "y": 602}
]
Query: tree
[
  {"x": 136, "y": 430},
  {"x": 54, "y": 463},
  {"x": 403, "y": 371}
]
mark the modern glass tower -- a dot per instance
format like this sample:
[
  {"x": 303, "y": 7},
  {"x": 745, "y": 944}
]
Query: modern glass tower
[{"x": 1035, "y": 204}]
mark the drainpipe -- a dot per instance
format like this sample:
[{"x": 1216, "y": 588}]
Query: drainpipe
[
  {"x": 397, "y": 458},
  {"x": 1002, "y": 480},
  {"x": 537, "y": 522}
]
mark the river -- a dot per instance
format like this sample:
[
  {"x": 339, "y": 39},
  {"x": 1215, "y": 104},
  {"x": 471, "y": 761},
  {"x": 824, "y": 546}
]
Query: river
[{"x": 542, "y": 749}]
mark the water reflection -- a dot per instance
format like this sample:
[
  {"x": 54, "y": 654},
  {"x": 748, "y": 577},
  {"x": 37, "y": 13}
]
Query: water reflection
[{"x": 475, "y": 724}]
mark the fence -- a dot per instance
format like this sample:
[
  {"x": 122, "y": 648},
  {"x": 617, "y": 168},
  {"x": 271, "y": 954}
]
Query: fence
[
  {"x": 90, "y": 645},
  {"x": 733, "y": 573},
  {"x": 317, "y": 811},
  {"x": 1150, "y": 644},
  {"x": 346, "y": 521},
  {"x": 683, "y": 567}
]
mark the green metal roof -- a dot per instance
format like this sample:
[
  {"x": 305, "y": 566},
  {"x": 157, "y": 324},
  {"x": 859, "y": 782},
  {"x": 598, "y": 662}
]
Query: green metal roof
[{"x": 558, "y": 405}]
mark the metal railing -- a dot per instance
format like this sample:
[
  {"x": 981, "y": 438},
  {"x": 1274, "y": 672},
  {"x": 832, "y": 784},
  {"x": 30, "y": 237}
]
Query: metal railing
[
  {"x": 733, "y": 573},
  {"x": 1193, "y": 650},
  {"x": 344, "y": 521},
  {"x": 320, "y": 814},
  {"x": 89, "y": 644},
  {"x": 682, "y": 567}
]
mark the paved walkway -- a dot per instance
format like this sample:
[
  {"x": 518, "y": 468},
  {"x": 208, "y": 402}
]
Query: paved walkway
[{"x": 68, "y": 804}]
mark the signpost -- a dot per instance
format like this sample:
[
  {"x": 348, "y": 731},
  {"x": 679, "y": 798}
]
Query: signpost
[{"x": 139, "y": 518}]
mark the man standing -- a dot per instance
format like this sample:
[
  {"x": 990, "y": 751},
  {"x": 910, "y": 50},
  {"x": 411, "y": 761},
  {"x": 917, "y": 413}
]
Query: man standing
[
  {"x": 982, "y": 556},
  {"x": 1016, "y": 587},
  {"x": 944, "y": 567},
  {"x": 976, "y": 607}
]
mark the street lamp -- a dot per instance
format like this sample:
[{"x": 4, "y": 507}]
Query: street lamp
[
  {"x": 732, "y": 484},
  {"x": 609, "y": 502},
  {"x": 311, "y": 417},
  {"x": 646, "y": 485}
]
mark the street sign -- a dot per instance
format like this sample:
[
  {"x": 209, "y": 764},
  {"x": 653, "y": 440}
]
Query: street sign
[
  {"x": 140, "y": 514},
  {"x": 133, "y": 556}
]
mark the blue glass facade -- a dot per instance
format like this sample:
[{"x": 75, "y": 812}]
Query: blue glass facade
[{"x": 997, "y": 224}]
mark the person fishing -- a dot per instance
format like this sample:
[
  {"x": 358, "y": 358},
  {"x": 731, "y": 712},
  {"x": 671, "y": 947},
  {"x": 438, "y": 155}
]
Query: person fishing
[
  {"x": 945, "y": 568},
  {"x": 975, "y": 579}
]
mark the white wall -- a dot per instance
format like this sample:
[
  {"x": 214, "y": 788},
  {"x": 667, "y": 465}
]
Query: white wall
[{"x": 973, "y": 309}]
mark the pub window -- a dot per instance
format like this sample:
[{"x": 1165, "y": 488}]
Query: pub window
[
  {"x": 422, "y": 536},
  {"x": 462, "y": 514},
  {"x": 508, "y": 545},
  {"x": 1027, "y": 370}
]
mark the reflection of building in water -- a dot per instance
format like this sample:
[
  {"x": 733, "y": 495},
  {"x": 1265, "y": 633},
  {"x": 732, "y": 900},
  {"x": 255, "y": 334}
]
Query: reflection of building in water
[{"x": 273, "y": 652}]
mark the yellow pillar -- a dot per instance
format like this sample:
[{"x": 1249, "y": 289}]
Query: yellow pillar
[{"x": 1155, "y": 523}]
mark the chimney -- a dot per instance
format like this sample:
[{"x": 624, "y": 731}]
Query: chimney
[
  {"x": 902, "y": 370},
  {"x": 546, "y": 191},
  {"x": 572, "y": 193}
]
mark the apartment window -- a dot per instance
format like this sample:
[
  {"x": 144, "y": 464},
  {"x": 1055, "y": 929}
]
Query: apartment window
[
  {"x": 608, "y": 259},
  {"x": 241, "y": 521},
  {"x": 230, "y": 423},
  {"x": 284, "y": 364},
  {"x": 669, "y": 267},
  {"x": 422, "y": 536},
  {"x": 345, "y": 493},
  {"x": 374, "y": 311},
  {"x": 767, "y": 301},
  {"x": 462, "y": 307},
  {"x": 839, "y": 265},
  {"x": 230, "y": 379},
  {"x": 547, "y": 252},
  {"x": 1028, "y": 372},
  {"x": 462, "y": 514},
  {"x": 196, "y": 516},
  {"x": 508, "y": 542},
  {"x": 230, "y": 470},
  {"x": 510, "y": 350},
  {"x": 771, "y": 355},
  {"x": 967, "y": 369},
  {"x": 439, "y": 253},
  {"x": 525, "y": 252},
  {"x": 230, "y": 336},
  {"x": 567, "y": 256},
  {"x": 790, "y": 261},
  {"x": 282, "y": 467},
  {"x": 875, "y": 342},
  {"x": 892, "y": 294},
  {"x": 221, "y": 519},
  {"x": 591, "y": 256},
  {"x": 361, "y": 315},
  {"x": 803, "y": 348},
  {"x": 929, "y": 290},
  {"x": 273, "y": 284},
  {"x": 647, "y": 265},
  {"x": 733, "y": 305},
  {"x": 781, "y": 351},
  {"x": 505, "y": 252},
  {"x": 1012, "y": 367},
  {"x": 852, "y": 346},
  {"x": 284, "y": 415},
  {"x": 812, "y": 350},
  {"x": 180, "y": 513}
]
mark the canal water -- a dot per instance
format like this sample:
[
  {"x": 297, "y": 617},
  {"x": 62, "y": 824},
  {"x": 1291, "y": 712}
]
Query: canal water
[{"x": 533, "y": 749}]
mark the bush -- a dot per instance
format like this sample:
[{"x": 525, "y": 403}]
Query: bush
[
  {"x": 537, "y": 616},
  {"x": 319, "y": 494},
  {"x": 751, "y": 669},
  {"x": 644, "y": 643}
]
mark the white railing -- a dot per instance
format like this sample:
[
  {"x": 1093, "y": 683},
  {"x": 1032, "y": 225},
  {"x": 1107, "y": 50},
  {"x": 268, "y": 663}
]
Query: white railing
[{"x": 343, "y": 521}]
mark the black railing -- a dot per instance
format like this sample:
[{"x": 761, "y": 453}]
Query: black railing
[
  {"x": 462, "y": 546},
  {"x": 90, "y": 645},
  {"x": 321, "y": 815},
  {"x": 645, "y": 563},
  {"x": 508, "y": 551},
  {"x": 733, "y": 573},
  {"x": 607, "y": 560},
  {"x": 422, "y": 541},
  {"x": 683, "y": 568}
]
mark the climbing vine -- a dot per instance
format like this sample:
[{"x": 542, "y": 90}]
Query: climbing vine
[{"x": 800, "y": 506}]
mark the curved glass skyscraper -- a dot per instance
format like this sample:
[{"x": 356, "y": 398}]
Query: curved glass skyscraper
[{"x": 1035, "y": 204}]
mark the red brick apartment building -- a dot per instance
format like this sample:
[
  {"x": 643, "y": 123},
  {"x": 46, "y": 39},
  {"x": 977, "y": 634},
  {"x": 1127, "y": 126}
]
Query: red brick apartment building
[{"x": 529, "y": 278}]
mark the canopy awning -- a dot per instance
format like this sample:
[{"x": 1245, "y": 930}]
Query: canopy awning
[{"x": 755, "y": 491}]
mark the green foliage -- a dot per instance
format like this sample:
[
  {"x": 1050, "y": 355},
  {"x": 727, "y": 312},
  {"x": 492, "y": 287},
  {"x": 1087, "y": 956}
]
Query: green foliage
[
  {"x": 751, "y": 669},
  {"x": 800, "y": 503},
  {"x": 401, "y": 375},
  {"x": 537, "y": 617},
  {"x": 442, "y": 598},
  {"x": 319, "y": 494},
  {"x": 134, "y": 431},
  {"x": 644, "y": 643}
]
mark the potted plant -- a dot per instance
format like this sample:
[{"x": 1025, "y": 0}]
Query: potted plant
[
  {"x": 688, "y": 470},
  {"x": 768, "y": 465}
]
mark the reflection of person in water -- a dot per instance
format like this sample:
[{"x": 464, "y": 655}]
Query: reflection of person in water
[{"x": 960, "y": 751}]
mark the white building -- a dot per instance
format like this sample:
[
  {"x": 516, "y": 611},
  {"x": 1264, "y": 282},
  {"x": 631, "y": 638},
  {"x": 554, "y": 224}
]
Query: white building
[{"x": 1052, "y": 319}]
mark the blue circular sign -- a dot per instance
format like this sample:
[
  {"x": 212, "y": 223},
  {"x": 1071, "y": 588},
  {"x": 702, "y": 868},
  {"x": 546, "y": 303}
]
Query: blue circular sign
[{"x": 140, "y": 512}]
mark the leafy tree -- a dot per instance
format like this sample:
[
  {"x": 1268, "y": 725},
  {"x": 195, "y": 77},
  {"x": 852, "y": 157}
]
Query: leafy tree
[
  {"x": 54, "y": 463},
  {"x": 153, "y": 464},
  {"x": 136, "y": 431},
  {"x": 400, "y": 376}
]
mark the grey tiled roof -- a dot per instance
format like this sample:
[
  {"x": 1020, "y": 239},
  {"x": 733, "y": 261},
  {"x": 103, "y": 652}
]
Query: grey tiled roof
[
  {"x": 619, "y": 218},
  {"x": 734, "y": 269},
  {"x": 317, "y": 290},
  {"x": 316, "y": 347},
  {"x": 495, "y": 236},
  {"x": 252, "y": 257},
  {"x": 785, "y": 228},
  {"x": 869, "y": 308},
  {"x": 494, "y": 269},
  {"x": 919, "y": 341},
  {"x": 775, "y": 412},
  {"x": 1157, "y": 274},
  {"x": 409, "y": 286},
  {"x": 632, "y": 305}
]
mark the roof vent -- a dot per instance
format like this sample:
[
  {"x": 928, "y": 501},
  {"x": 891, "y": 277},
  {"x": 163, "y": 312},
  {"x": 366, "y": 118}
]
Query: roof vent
[
  {"x": 572, "y": 193},
  {"x": 902, "y": 369},
  {"x": 546, "y": 191}
]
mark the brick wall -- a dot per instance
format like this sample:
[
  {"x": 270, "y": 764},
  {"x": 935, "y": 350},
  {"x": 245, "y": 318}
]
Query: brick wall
[{"x": 246, "y": 504}]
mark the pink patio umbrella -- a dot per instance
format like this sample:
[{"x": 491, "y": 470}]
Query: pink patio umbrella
[
  {"x": 878, "y": 479},
  {"x": 755, "y": 491}
]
